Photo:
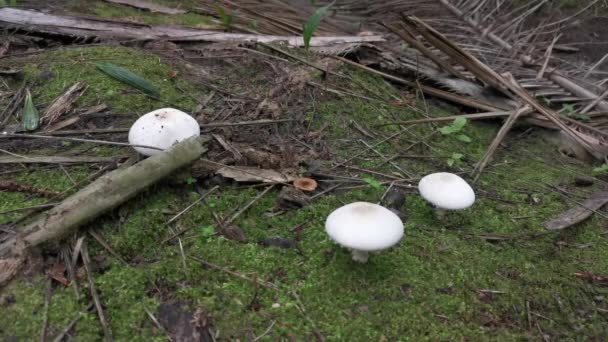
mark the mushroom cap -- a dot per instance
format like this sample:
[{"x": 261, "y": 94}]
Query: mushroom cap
[
  {"x": 162, "y": 128},
  {"x": 446, "y": 191},
  {"x": 364, "y": 226}
]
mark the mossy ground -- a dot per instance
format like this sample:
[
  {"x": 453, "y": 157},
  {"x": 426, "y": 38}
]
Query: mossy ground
[
  {"x": 427, "y": 288},
  {"x": 108, "y": 10}
]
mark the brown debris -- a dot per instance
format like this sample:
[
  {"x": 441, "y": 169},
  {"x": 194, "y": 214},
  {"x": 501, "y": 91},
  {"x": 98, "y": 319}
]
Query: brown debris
[
  {"x": 63, "y": 104},
  {"x": 292, "y": 198},
  {"x": 9, "y": 185},
  {"x": 263, "y": 159},
  {"x": 184, "y": 324},
  {"x": 57, "y": 272},
  {"x": 233, "y": 232},
  {"x": 593, "y": 278}
]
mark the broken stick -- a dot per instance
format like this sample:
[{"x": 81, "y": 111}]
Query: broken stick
[{"x": 104, "y": 194}]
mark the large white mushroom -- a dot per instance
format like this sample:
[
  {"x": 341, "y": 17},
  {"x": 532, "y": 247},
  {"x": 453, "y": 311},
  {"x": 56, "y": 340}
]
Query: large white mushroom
[
  {"x": 364, "y": 227},
  {"x": 162, "y": 129},
  {"x": 446, "y": 191}
]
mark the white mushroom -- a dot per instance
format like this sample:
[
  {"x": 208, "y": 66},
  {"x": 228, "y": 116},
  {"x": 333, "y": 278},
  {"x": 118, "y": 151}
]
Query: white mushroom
[
  {"x": 446, "y": 191},
  {"x": 162, "y": 129},
  {"x": 364, "y": 227}
]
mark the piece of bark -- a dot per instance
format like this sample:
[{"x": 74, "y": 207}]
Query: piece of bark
[
  {"x": 149, "y": 6},
  {"x": 34, "y": 21},
  {"x": 63, "y": 103},
  {"x": 579, "y": 213},
  {"x": 292, "y": 198},
  {"x": 104, "y": 194},
  {"x": 62, "y": 124},
  {"x": 261, "y": 158}
]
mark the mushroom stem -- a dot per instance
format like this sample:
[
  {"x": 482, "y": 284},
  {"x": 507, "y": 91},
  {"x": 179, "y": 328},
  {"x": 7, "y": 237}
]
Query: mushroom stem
[
  {"x": 440, "y": 213},
  {"x": 360, "y": 256}
]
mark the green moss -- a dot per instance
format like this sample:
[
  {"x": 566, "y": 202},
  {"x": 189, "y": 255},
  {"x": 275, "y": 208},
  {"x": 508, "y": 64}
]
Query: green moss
[
  {"x": 68, "y": 66},
  {"x": 427, "y": 288},
  {"x": 123, "y": 12}
]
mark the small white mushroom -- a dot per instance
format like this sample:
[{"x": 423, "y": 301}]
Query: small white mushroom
[
  {"x": 364, "y": 227},
  {"x": 162, "y": 129},
  {"x": 446, "y": 191}
]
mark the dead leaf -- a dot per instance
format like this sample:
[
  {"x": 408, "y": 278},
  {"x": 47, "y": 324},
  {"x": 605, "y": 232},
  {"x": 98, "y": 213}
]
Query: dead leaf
[
  {"x": 57, "y": 272},
  {"x": 183, "y": 324},
  {"x": 252, "y": 174},
  {"x": 594, "y": 278},
  {"x": 578, "y": 213},
  {"x": 233, "y": 232},
  {"x": 9, "y": 268}
]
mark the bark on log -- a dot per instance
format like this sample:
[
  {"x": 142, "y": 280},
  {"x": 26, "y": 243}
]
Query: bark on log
[{"x": 104, "y": 194}]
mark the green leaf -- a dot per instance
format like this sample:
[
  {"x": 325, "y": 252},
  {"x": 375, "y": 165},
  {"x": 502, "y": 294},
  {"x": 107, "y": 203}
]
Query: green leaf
[
  {"x": 463, "y": 138},
  {"x": 31, "y": 117},
  {"x": 373, "y": 182},
  {"x": 457, "y": 156},
  {"x": 129, "y": 78},
  {"x": 601, "y": 171},
  {"x": 225, "y": 17},
  {"x": 450, "y": 162},
  {"x": 208, "y": 231},
  {"x": 446, "y": 130},
  {"x": 253, "y": 24},
  {"x": 311, "y": 24},
  {"x": 190, "y": 180},
  {"x": 568, "y": 108},
  {"x": 11, "y": 3},
  {"x": 459, "y": 123}
]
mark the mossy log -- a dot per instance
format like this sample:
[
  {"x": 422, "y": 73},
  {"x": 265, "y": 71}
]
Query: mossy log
[{"x": 102, "y": 195}]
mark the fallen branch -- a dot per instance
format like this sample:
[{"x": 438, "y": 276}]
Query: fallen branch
[
  {"x": 104, "y": 194},
  {"x": 34, "y": 21},
  {"x": 58, "y": 159}
]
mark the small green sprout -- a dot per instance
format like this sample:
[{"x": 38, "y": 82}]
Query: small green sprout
[
  {"x": 455, "y": 128},
  {"x": 372, "y": 182},
  {"x": 312, "y": 23}
]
